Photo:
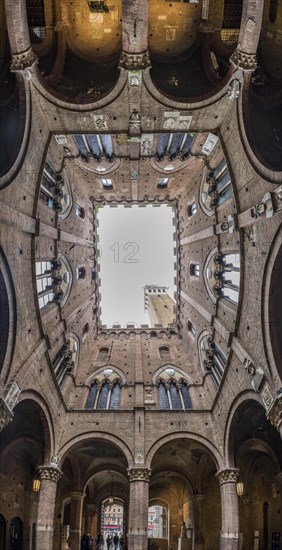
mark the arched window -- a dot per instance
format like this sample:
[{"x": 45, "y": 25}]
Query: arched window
[
  {"x": 164, "y": 353},
  {"x": 54, "y": 190},
  {"x": 80, "y": 272},
  {"x": 94, "y": 146},
  {"x": 103, "y": 354},
  {"x": 191, "y": 328},
  {"x": 157, "y": 522},
  {"x": 174, "y": 395},
  {"x": 174, "y": 146},
  {"x": 195, "y": 270},
  {"x": 53, "y": 280},
  {"x": 214, "y": 360},
  {"x": 273, "y": 8},
  {"x": 191, "y": 209},
  {"x": 79, "y": 211},
  {"x": 217, "y": 188},
  {"x": 104, "y": 395},
  {"x": 222, "y": 276},
  {"x": 65, "y": 359},
  {"x": 16, "y": 534},
  {"x": 85, "y": 331}
]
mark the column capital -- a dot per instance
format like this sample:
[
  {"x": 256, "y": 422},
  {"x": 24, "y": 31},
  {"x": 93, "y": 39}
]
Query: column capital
[
  {"x": 246, "y": 61},
  {"x": 198, "y": 497},
  {"x": 229, "y": 475},
  {"x": 274, "y": 415},
  {"x": 23, "y": 60},
  {"x": 205, "y": 26},
  {"x": 50, "y": 473},
  {"x": 77, "y": 495},
  {"x": 139, "y": 474},
  {"x": 133, "y": 61}
]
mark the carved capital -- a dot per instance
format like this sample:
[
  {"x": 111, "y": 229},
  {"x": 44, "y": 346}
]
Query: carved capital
[
  {"x": 6, "y": 414},
  {"x": 198, "y": 498},
  {"x": 274, "y": 414},
  {"x": 246, "y": 61},
  {"x": 230, "y": 475},
  {"x": 132, "y": 61},
  {"x": 205, "y": 26},
  {"x": 50, "y": 473},
  {"x": 139, "y": 474},
  {"x": 77, "y": 495},
  {"x": 23, "y": 60}
]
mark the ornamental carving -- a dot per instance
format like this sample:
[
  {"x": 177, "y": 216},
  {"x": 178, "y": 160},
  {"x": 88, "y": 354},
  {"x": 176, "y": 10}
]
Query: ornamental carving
[
  {"x": 234, "y": 89},
  {"x": 246, "y": 61},
  {"x": 230, "y": 475},
  {"x": 274, "y": 414},
  {"x": 21, "y": 61},
  {"x": 50, "y": 473},
  {"x": 6, "y": 415},
  {"x": 139, "y": 474},
  {"x": 131, "y": 61},
  {"x": 205, "y": 26}
]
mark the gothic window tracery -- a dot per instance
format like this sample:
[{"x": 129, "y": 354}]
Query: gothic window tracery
[
  {"x": 65, "y": 359},
  {"x": 96, "y": 146},
  {"x": 173, "y": 390},
  {"x": 104, "y": 394},
  {"x": 222, "y": 276},
  {"x": 174, "y": 146},
  {"x": 54, "y": 191},
  {"x": 174, "y": 395},
  {"x": 53, "y": 280},
  {"x": 216, "y": 188},
  {"x": 213, "y": 359}
]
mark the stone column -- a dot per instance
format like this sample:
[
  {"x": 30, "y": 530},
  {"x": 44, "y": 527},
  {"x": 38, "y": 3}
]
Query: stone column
[
  {"x": 274, "y": 414},
  {"x": 245, "y": 53},
  {"x": 197, "y": 506},
  {"x": 49, "y": 476},
  {"x": 138, "y": 508},
  {"x": 135, "y": 35},
  {"x": 229, "y": 536},
  {"x": 75, "y": 519}
]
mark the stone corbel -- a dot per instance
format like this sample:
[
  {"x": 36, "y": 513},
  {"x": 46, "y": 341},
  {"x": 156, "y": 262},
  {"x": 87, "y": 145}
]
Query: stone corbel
[{"x": 132, "y": 61}]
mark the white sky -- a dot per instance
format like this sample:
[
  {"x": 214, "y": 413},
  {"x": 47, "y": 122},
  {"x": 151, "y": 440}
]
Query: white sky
[{"x": 126, "y": 268}]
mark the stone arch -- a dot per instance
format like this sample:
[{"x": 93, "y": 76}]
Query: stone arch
[
  {"x": 271, "y": 316},
  {"x": 109, "y": 438},
  {"x": 46, "y": 419},
  {"x": 8, "y": 316},
  {"x": 208, "y": 445},
  {"x": 247, "y": 395}
]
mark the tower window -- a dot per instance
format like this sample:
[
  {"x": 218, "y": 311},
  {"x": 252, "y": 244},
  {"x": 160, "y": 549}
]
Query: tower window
[
  {"x": 80, "y": 272},
  {"x": 191, "y": 209},
  {"x": 195, "y": 270},
  {"x": 79, "y": 211}
]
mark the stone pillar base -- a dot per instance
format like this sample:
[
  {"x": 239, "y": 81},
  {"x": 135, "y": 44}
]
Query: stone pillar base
[
  {"x": 184, "y": 544},
  {"x": 229, "y": 541}
]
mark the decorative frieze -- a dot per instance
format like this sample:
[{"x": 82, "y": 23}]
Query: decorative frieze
[
  {"x": 50, "y": 473},
  {"x": 23, "y": 60},
  {"x": 274, "y": 414},
  {"x": 246, "y": 61},
  {"x": 131, "y": 61},
  {"x": 230, "y": 475},
  {"x": 139, "y": 474}
]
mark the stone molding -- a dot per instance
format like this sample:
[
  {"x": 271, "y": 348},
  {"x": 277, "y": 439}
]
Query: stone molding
[
  {"x": 6, "y": 415},
  {"x": 274, "y": 414},
  {"x": 139, "y": 474},
  {"x": 23, "y": 60},
  {"x": 49, "y": 473},
  {"x": 246, "y": 61},
  {"x": 134, "y": 61},
  {"x": 230, "y": 475}
]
